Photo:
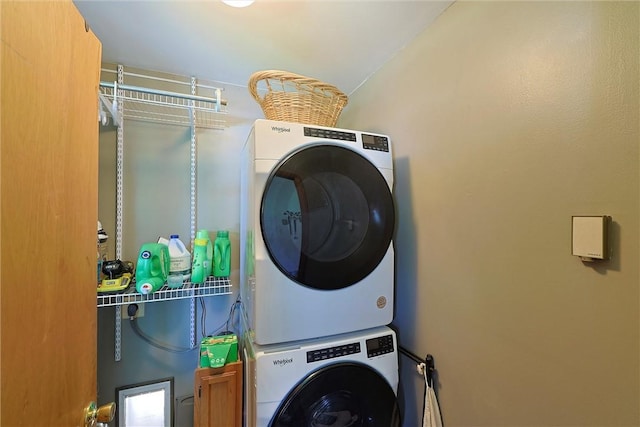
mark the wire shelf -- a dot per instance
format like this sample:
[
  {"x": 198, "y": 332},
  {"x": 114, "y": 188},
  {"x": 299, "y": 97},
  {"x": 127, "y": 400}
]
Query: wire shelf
[
  {"x": 163, "y": 107},
  {"x": 212, "y": 287}
]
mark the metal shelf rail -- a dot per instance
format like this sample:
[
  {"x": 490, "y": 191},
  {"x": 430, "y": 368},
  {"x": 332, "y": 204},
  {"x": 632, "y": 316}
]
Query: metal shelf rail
[
  {"x": 213, "y": 286},
  {"x": 159, "y": 106}
]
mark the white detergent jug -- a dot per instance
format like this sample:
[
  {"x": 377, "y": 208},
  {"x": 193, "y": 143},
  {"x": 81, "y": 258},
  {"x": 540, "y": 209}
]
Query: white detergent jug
[{"x": 179, "y": 261}]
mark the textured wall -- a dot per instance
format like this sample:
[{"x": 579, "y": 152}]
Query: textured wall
[{"x": 508, "y": 118}]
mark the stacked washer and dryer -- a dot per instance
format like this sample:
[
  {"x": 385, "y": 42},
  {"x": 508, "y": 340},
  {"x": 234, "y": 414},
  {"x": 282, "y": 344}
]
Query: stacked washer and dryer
[{"x": 317, "y": 277}]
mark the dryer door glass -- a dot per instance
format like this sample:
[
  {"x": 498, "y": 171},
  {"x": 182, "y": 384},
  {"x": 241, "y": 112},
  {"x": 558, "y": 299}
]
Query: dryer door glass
[
  {"x": 327, "y": 217},
  {"x": 340, "y": 395}
]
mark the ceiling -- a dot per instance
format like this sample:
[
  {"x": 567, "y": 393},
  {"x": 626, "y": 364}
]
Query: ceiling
[{"x": 338, "y": 42}]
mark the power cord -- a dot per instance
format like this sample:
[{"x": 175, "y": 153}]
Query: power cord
[
  {"x": 203, "y": 315},
  {"x": 224, "y": 328},
  {"x": 132, "y": 309}
]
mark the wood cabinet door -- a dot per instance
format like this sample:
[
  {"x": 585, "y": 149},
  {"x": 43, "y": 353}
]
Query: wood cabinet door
[
  {"x": 218, "y": 396},
  {"x": 50, "y": 65}
]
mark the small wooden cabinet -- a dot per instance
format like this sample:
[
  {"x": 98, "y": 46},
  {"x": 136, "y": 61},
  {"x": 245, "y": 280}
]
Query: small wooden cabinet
[{"x": 218, "y": 396}]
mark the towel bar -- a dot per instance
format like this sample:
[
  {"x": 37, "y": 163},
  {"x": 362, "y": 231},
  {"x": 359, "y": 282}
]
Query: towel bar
[{"x": 428, "y": 361}]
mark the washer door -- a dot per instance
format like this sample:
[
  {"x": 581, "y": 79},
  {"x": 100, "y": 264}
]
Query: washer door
[
  {"x": 327, "y": 217},
  {"x": 340, "y": 395}
]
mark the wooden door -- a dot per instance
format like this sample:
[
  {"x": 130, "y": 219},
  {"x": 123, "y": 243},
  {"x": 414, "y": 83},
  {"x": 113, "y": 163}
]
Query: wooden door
[{"x": 50, "y": 68}]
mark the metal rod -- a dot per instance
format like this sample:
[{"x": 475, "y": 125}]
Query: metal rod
[
  {"x": 410, "y": 355},
  {"x": 161, "y": 79},
  {"x": 428, "y": 362},
  {"x": 162, "y": 92}
]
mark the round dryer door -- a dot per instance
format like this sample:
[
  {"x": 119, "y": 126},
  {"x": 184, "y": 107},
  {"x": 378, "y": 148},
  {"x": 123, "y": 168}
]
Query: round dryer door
[
  {"x": 340, "y": 395},
  {"x": 327, "y": 217}
]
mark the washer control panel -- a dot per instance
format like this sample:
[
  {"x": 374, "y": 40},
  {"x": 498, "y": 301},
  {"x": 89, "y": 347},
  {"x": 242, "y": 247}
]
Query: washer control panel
[
  {"x": 330, "y": 134},
  {"x": 331, "y": 352},
  {"x": 380, "y": 345}
]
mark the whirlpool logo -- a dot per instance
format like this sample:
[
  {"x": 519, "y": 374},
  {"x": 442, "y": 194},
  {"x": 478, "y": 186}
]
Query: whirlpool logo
[
  {"x": 280, "y": 129},
  {"x": 282, "y": 362}
]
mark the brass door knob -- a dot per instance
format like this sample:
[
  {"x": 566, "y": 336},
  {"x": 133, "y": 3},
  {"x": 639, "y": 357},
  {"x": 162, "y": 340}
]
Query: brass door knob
[{"x": 103, "y": 414}]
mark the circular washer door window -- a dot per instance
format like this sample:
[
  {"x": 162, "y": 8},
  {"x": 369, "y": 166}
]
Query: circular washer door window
[
  {"x": 340, "y": 395},
  {"x": 327, "y": 217}
]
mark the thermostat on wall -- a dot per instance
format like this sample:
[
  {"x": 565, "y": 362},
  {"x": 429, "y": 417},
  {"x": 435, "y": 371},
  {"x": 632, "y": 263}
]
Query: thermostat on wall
[{"x": 589, "y": 235}]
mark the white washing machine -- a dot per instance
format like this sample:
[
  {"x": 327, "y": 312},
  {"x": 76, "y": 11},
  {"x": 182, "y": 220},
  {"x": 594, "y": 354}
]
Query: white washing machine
[
  {"x": 346, "y": 380},
  {"x": 317, "y": 220}
]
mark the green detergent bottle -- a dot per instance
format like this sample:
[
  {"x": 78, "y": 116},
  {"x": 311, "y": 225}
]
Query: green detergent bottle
[
  {"x": 152, "y": 268},
  {"x": 222, "y": 255},
  {"x": 204, "y": 234},
  {"x": 199, "y": 266}
]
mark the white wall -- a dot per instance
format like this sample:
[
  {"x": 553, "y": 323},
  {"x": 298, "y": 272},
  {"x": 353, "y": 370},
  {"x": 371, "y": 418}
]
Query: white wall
[{"x": 507, "y": 119}]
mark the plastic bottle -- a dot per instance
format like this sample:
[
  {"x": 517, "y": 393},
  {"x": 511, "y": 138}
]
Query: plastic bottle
[
  {"x": 203, "y": 234},
  {"x": 152, "y": 267},
  {"x": 198, "y": 268},
  {"x": 179, "y": 262},
  {"x": 102, "y": 249},
  {"x": 222, "y": 255}
]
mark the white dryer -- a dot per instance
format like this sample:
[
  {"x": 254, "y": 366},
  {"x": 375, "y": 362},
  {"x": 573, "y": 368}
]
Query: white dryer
[
  {"x": 317, "y": 221},
  {"x": 345, "y": 380}
]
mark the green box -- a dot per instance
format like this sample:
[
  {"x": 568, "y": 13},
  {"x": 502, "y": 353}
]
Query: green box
[{"x": 218, "y": 351}]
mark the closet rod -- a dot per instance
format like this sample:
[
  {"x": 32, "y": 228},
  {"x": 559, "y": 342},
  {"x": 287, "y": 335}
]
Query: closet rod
[
  {"x": 160, "y": 92},
  {"x": 160, "y": 79}
]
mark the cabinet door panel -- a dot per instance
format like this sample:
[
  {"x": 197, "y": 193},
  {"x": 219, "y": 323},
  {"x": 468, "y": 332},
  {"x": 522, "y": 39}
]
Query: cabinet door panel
[{"x": 218, "y": 396}]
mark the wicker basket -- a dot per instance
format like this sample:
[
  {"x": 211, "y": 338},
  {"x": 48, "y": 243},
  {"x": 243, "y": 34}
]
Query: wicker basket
[{"x": 291, "y": 97}]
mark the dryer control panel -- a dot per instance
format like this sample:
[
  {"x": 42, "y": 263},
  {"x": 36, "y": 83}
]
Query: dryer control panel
[
  {"x": 369, "y": 142},
  {"x": 375, "y": 142},
  {"x": 380, "y": 345},
  {"x": 330, "y": 134}
]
